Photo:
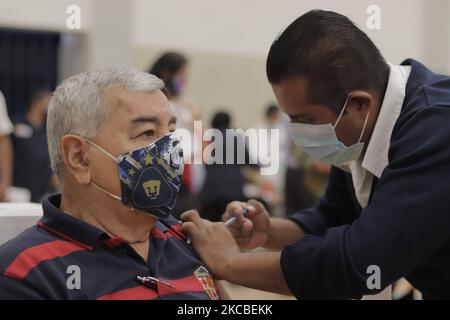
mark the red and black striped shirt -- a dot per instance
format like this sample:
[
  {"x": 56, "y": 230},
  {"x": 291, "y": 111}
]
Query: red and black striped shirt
[{"x": 65, "y": 258}]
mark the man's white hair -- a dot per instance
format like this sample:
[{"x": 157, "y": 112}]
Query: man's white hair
[{"x": 77, "y": 106}]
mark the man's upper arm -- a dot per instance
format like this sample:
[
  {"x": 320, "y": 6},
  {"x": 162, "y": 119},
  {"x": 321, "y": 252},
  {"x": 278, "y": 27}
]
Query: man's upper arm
[
  {"x": 12, "y": 289},
  {"x": 335, "y": 207},
  {"x": 405, "y": 223}
]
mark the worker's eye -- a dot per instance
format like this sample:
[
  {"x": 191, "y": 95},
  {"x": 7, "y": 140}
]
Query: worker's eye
[
  {"x": 309, "y": 121},
  {"x": 304, "y": 121}
]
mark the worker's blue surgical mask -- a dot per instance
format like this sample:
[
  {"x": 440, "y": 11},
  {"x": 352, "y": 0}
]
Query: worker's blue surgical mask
[
  {"x": 322, "y": 143},
  {"x": 150, "y": 177}
]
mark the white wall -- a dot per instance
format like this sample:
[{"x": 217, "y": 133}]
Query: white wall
[
  {"x": 227, "y": 41},
  {"x": 42, "y": 14},
  {"x": 248, "y": 27},
  {"x": 410, "y": 28}
]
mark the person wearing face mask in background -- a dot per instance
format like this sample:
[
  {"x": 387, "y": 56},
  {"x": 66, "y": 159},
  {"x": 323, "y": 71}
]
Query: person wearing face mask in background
[
  {"x": 29, "y": 141},
  {"x": 173, "y": 68},
  {"x": 110, "y": 233},
  {"x": 385, "y": 213}
]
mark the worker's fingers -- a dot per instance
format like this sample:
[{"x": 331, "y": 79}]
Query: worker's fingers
[
  {"x": 191, "y": 229},
  {"x": 258, "y": 208},
  {"x": 236, "y": 209},
  {"x": 231, "y": 208},
  {"x": 192, "y": 216},
  {"x": 192, "y": 224},
  {"x": 242, "y": 227}
]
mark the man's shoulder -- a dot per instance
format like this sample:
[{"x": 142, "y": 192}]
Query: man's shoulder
[
  {"x": 423, "y": 122},
  {"x": 421, "y": 138},
  {"x": 426, "y": 109},
  {"x": 29, "y": 238},
  {"x": 172, "y": 227}
]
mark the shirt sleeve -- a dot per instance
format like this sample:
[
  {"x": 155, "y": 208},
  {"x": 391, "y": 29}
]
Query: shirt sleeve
[
  {"x": 6, "y": 127},
  {"x": 12, "y": 289},
  {"x": 335, "y": 207},
  {"x": 405, "y": 223}
]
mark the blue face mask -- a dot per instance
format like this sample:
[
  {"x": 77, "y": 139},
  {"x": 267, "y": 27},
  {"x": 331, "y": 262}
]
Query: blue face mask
[
  {"x": 150, "y": 177},
  {"x": 177, "y": 87},
  {"x": 322, "y": 143}
]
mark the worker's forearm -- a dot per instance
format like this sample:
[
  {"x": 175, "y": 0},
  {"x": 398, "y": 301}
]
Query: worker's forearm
[
  {"x": 257, "y": 270},
  {"x": 6, "y": 160},
  {"x": 282, "y": 233}
]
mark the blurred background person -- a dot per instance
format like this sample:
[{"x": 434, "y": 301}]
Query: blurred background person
[
  {"x": 173, "y": 69},
  {"x": 31, "y": 162},
  {"x": 223, "y": 182},
  {"x": 277, "y": 126},
  {"x": 6, "y": 152}
]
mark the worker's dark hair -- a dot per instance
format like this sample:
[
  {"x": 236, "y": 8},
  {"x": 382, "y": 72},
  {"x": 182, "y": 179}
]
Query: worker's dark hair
[
  {"x": 221, "y": 121},
  {"x": 271, "y": 109},
  {"x": 166, "y": 67},
  {"x": 332, "y": 54}
]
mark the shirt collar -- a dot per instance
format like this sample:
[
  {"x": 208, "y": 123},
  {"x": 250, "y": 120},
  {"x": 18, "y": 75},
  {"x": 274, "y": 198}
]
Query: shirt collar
[
  {"x": 70, "y": 228},
  {"x": 376, "y": 157},
  {"x": 75, "y": 230}
]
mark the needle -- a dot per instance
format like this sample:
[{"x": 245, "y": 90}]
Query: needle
[{"x": 230, "y": 221}]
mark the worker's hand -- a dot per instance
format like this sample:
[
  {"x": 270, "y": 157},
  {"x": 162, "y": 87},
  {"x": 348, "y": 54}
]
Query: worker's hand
[
  {"x": 213, "y": 242},
  {"x": 251, "y": 231}
]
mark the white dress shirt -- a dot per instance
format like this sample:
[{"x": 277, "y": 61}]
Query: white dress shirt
[{"x": 375, "y": 159}]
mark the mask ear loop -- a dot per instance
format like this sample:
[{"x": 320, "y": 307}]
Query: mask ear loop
[
  {"x": 109, "y": 155},
  {"x": 342, "y": 111},
  {"x": 107, "y": 192},
  {"x": 364, "y": 127},
  {"x": 106, "y": 153}
]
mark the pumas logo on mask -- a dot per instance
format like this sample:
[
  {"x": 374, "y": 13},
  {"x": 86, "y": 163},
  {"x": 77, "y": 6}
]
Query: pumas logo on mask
[{"x": 152, "y": 188}]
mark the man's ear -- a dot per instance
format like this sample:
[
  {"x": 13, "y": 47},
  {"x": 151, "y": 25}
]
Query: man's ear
[
  {"x": 360, "y": 101},
  {"x": 74, "y": 153}
]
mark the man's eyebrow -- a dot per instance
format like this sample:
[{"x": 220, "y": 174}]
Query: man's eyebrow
[
  {"x": 155, "y": 120},
  {"x": 143, "y": 119}
]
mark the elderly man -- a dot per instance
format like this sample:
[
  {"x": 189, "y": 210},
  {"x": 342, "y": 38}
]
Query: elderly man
[{"x": 109, "y": 234}]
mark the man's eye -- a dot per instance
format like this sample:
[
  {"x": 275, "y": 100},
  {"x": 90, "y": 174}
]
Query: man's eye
[{"x": 148, "y": 133}]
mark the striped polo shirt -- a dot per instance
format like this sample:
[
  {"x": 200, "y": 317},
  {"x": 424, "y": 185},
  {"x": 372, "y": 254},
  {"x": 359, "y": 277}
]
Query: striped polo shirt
[{"x": 65, "y": 258}]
